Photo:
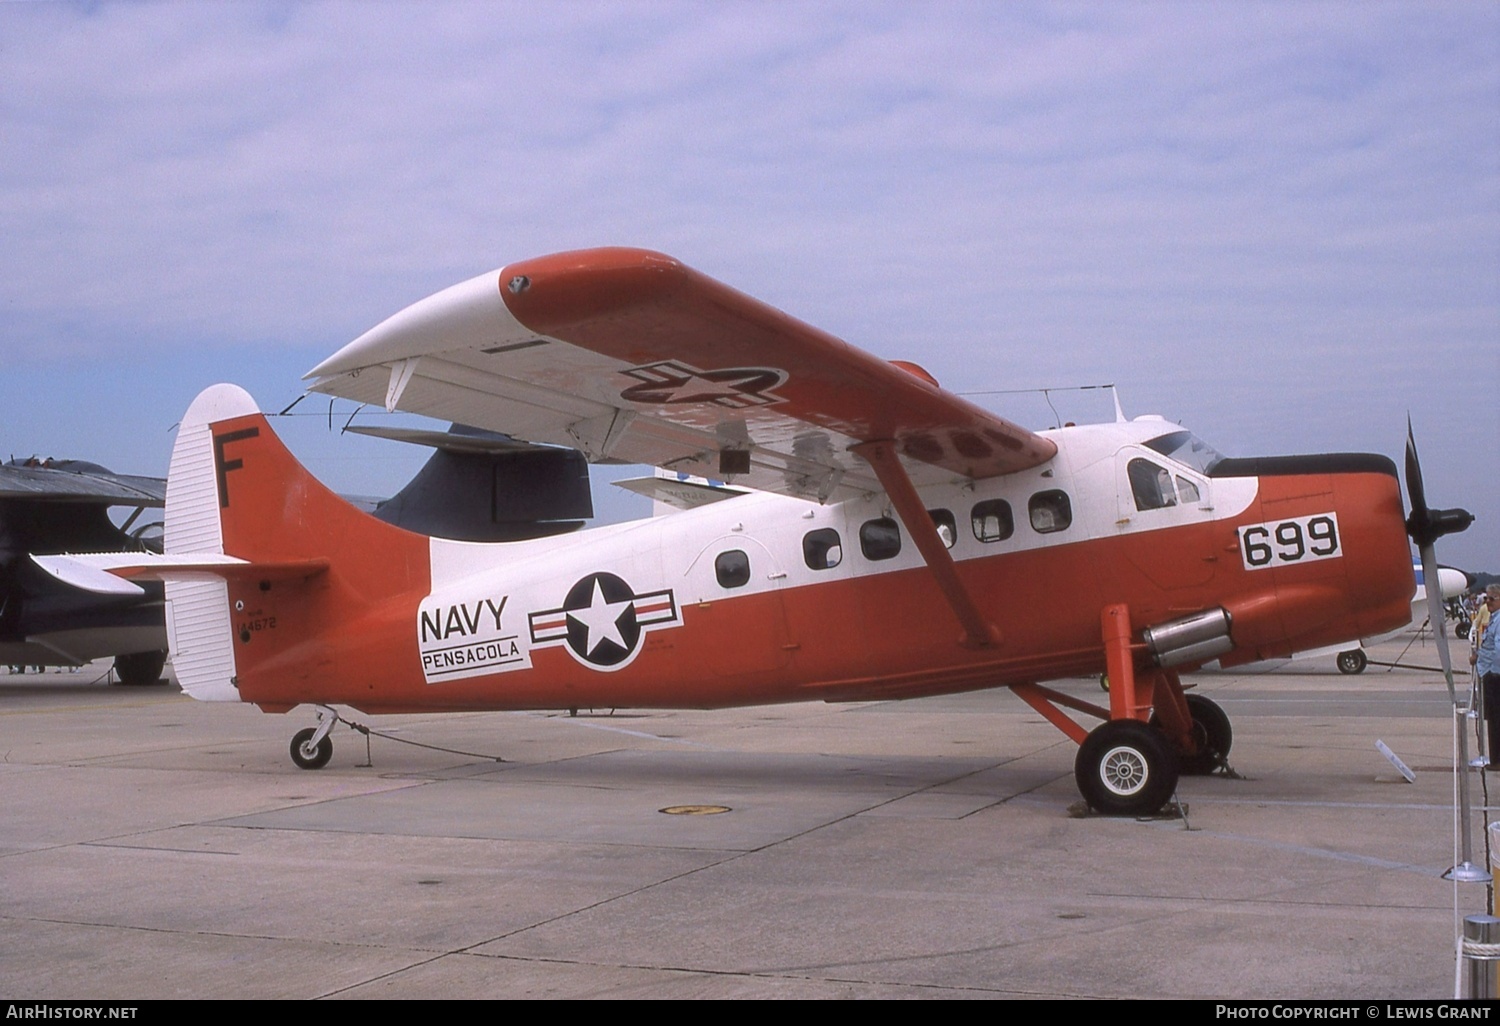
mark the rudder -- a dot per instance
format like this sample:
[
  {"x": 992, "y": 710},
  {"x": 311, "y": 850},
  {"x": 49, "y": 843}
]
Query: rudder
[
  {"x": 234, "y": 489},
  {"x": 199, "y": 629}
]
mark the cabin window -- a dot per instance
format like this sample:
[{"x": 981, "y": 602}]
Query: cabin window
[
  {"x": 1050, "y": 511},
  {"x": 947, "y": 528},
  {"x": 1186, "y": 490},
  {"x": 1151, "y": 485},
  {"x": 732, "y": 568},
  {"x": 993, "y": 521},
  {"x": 879, "y": 538},
  {"x": 822, "y": 549}
]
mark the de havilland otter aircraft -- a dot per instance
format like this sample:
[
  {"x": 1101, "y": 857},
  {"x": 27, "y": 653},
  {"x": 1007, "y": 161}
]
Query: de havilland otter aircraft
[{"x": 891, "y": 540}]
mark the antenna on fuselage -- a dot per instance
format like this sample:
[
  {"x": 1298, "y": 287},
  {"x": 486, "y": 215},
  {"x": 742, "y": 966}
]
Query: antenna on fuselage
[{"x": 1119, "y": 413}]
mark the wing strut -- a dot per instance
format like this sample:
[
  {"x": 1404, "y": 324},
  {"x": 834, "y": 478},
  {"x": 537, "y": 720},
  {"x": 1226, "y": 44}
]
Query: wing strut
[{"x": 882, "y": 458}]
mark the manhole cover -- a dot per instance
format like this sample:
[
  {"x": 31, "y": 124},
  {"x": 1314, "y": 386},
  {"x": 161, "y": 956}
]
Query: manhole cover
[{"x": 695, "y": 810}]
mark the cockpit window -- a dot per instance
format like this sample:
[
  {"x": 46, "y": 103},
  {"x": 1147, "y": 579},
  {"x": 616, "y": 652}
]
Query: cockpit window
[
  {"x": 1187, "y": 448},
  {"x": 1151, "y": 485}
]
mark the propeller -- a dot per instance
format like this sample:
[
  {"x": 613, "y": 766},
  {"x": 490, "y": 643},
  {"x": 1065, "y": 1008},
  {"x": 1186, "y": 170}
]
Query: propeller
[{"x": 1425, "y": 526}]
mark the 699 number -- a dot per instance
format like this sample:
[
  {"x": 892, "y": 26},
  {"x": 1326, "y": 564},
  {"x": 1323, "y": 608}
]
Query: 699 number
[{"x": 1290, "y": 541}]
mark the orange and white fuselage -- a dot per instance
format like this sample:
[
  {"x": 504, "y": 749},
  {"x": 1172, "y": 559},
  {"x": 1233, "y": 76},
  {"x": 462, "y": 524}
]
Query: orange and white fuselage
[{"x": 723, "y": 605}]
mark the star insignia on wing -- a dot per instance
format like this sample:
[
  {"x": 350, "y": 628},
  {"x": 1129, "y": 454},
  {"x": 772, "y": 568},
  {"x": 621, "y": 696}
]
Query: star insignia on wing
[{"x": 670, "y": 383}]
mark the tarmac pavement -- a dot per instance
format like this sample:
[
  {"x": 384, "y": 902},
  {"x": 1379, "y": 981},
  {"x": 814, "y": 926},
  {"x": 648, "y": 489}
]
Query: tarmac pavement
[{"x": 157, "y": 847}]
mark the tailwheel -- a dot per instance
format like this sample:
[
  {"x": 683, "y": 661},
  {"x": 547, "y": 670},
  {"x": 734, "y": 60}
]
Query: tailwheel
[
  {"x": 1353, "y": 661},
  {"x": 1125, "y": 768},
  {"x": 1212, "y": 732},
  {"x": 309, "y": 751}
]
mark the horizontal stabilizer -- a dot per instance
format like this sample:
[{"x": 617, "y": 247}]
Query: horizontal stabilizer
[
  {"x": 480, "y": 442},
  {"x": 681, "y": 494},
  {"x": 111, "y": 573}
]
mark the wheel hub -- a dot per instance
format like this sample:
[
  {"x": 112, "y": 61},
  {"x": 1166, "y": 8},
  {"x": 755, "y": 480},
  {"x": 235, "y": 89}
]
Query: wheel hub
[{"x": 1123, "y": 771}]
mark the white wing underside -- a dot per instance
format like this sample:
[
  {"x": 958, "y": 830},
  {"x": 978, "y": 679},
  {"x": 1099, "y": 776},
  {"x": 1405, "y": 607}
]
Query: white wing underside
[{"x": 674, "y": 374}]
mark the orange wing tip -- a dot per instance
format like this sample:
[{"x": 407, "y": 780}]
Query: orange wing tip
[
  {"x": 489, "y": 309},
  {"x": 553, "y": 293}
]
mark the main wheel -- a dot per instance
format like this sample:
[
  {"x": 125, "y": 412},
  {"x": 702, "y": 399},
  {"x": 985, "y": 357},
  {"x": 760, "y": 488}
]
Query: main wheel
[
  {"x": 138, "y": 669},
  {"x": 308, "y": 755},
  {"x": 1461, "y": 628},
  {"x": 1212, "y": 732},
  {"x": 1125, "y": 768},
  {"x": 1353, "y": 661}
]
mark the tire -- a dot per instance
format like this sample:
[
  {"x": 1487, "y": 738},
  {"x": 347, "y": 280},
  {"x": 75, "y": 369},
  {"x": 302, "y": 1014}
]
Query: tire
[
  {"x": 1461, "y": 628},
  {"x": 140, "y": 669},
  {"x": 1125, "y": 768},
  {"x": 1353, "y": 661},
  {"x": 310, "y": 758},
  {"x": 1213, "y": 733}
]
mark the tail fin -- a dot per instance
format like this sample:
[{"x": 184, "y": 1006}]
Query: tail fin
[
  {"x": 234, "y": 489},
  {"x": 199, "y": 629}
]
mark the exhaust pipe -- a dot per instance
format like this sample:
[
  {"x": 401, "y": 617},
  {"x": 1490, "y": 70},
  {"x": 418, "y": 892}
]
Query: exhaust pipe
[{"x": 1193, "y": 639}]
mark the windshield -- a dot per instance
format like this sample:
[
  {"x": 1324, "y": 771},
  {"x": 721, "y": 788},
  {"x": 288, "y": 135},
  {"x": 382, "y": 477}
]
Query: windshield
[{"x": 1186, "y": 448}]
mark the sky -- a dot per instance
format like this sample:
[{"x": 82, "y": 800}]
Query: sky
[{"x": 1277, "y": 223}]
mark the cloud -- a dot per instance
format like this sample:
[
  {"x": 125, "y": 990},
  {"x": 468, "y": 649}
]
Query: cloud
[{"x": 1231, "y": 209}]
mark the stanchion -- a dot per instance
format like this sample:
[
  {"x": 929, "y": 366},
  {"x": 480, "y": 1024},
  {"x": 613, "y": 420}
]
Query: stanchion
[{"x": 1481, "y": 956}]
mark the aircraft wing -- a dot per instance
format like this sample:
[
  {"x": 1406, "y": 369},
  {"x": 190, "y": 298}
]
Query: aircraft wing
[
  {"x": 93, "y": 485},
  {"x": 631, "y": 356}
]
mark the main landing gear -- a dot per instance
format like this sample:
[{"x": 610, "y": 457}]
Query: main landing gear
[
  {"x": 1130, "y": 768},
  {"x": 1152, "y": 732},
  {"x": 311, "y": 746}
]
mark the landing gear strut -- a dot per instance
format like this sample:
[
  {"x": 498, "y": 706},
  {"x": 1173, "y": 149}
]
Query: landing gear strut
[{"x": 311, "y": 746}]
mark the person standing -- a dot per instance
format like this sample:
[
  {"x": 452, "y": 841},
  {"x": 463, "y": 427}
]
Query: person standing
[{"x": 1486, "y": 662}]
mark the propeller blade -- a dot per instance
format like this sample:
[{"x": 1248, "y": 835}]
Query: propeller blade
[
  {"x": 1435, "y": 615},
  {"x": 1414, "y": 489},
  {"x": 1425, "y": 525}
]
